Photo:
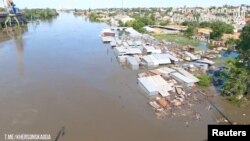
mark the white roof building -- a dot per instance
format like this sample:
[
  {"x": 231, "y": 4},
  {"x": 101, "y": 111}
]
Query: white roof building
[{"x": 153, "y": 85}]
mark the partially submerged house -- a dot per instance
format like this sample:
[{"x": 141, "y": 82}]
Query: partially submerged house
[
  {"x": 107, "y": 39},
  {"x": 154, "y": 85},
  {"x": 162, "y": 59},
  {"x": 184, "y": 80},
  {"x": 133, "y": 64},
  {"x": 166, "y": 71},
  {"x": 187, "y": 74},
  {"x": 127, "y": 51},
  {"x": 172, "y": 58},
  {"x": 150, "y": 50},
  {"x": 150, "y": 61},
  {"x": 155, "y": 60},
  {"x": 107, "y": 32}
]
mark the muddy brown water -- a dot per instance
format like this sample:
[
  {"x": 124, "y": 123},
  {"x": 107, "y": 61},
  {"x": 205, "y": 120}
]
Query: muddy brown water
[{"x": 59, "y": 74}]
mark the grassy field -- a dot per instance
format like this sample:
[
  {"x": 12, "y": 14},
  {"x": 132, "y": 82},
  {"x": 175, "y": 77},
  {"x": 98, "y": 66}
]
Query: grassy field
[{"x": 179, "y": 39}]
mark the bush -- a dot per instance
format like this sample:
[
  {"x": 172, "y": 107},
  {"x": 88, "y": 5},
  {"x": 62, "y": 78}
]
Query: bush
[
  {"x": 139, "y": 23},
  {"x": 205, "y": 80},
  {"x": 164, "y": 23}
]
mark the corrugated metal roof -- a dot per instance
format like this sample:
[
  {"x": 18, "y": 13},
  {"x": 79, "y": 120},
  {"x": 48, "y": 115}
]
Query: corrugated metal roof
[
  {"x": 127, "y": 50},
  {"x": 171, "y": 57},
  {"x": 182, "y": 77},
  {"x": 147, "y": 84},
  {"x": 132, "y": 61},
  {"x": 168, "y": 70},
  {"x": 162, "y": 58},
  {"x": 155, "y": 83},
  {"x": 187, "y": 74},
  {"x": 154, "y": 60}
]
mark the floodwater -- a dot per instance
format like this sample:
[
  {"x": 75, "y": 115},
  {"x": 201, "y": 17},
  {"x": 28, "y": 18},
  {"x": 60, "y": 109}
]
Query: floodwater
[{"x": 59, "y": 74}]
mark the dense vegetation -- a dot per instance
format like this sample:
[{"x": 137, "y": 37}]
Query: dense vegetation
[
  {"x": 42, "y": 14},
  {"x": 93, "y": 16},
  {"x": 237, "y": 76},
  {"x": 219, "y": 28},
  {"x": 190, "y": 31},
  {"x": 139, "y": 23}
]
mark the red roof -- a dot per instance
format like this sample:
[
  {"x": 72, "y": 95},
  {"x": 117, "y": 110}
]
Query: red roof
[{"x": 247, "y": 19}]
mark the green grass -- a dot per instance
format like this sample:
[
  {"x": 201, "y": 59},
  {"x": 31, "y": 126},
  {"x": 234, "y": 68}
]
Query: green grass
[
  {"x": 179, "y": 39},
  {"x": 205, "y": 80}
]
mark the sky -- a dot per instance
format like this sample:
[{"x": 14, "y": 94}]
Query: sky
[{"x": 84, "y": 4}]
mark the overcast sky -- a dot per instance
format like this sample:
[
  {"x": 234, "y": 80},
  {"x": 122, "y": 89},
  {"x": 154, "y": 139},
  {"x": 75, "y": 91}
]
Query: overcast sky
[{"x": 127, "y": 3}]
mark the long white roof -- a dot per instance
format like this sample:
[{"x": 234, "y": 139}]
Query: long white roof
[
  {"x": 182, "y": 77},
  {"x": 155, "y": 83},
  {"x": 187, "y": 74},
  {"x": 162, "y": 58}
]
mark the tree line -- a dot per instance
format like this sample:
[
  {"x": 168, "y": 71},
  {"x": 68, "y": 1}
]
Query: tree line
[
  {"x": 218, "y": 28},
  {"x": 42, "y": 14},
  {"x": 237, "y": 72}
]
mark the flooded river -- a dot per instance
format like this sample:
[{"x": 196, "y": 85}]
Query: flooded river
[{"x": 59, "y": 74}]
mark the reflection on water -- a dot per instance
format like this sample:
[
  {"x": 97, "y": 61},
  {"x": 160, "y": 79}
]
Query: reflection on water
[{"x": 15, "y": 34}]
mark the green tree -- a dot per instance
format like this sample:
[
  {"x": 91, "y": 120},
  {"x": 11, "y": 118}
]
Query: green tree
[
  {"x": 237, "y": 76},
  {"x": 219, "y": 28},
  {"x": 237, "y": 79},
  {"x": 190, "y": 31},
  {"x": 231, "y": 42},
  {"x": 120, "y": 24},
  {"x": 139, "y": 23},
  {"x": 244, "y": 45},
  {"x": 42, "y": 14},
  {"x": 205, "y": 24}
]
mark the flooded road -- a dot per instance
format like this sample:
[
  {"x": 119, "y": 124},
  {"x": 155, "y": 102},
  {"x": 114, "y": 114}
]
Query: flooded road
[{"x": 59, "y": 74}]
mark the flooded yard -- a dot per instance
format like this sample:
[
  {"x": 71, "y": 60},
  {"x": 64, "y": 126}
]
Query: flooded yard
[{"x": 59, "y": 74}]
